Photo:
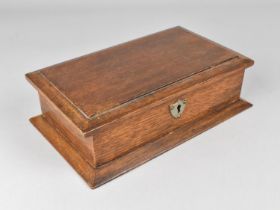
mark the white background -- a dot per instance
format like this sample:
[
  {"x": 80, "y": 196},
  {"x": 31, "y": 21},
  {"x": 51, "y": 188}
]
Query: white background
[{"x": 235, "y": 165}]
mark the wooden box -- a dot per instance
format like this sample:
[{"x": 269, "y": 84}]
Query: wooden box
[{"x": 112, "y": 110}]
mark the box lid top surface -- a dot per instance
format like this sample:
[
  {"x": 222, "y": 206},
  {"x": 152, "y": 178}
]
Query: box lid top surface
[{"x": 109, "y": 78}]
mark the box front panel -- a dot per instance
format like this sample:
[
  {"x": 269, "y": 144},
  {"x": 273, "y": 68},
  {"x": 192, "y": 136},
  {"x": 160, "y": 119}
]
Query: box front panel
[{"x": 155, "y": 120}]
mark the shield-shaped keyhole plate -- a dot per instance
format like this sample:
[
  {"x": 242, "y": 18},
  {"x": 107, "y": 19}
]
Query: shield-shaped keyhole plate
[{"x": 178, "y": 108}]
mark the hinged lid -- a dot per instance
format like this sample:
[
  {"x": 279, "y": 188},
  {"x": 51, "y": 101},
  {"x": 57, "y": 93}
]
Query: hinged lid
[{"x": 98, "y": 87}]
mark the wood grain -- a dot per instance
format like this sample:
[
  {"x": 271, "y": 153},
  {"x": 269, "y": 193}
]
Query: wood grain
[{"x": 137, "y": 128}]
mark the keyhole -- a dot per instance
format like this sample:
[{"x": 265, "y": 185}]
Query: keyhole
[{"x": 179, "y": 108}]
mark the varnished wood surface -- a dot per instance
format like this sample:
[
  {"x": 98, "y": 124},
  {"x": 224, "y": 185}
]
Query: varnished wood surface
[
  {"x": 101, "y": 86},
  {"x": 98, "y": 176},
  {"x": 108, "y": 111}
]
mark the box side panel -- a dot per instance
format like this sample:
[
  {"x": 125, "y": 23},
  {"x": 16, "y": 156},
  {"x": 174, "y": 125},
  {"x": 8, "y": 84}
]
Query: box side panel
[
  {"x": 73, "y": 135},
  {"x": 149, "y": 123}
]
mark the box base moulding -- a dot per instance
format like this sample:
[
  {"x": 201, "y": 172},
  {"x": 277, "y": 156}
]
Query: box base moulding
[{"x": 104, "y": 173}]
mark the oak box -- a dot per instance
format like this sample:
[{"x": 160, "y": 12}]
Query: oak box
[{"x": 112, "y": 110}]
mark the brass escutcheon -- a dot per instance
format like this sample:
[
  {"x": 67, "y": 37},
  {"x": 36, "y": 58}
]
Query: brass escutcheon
[{"x": 178, "y": 108}]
